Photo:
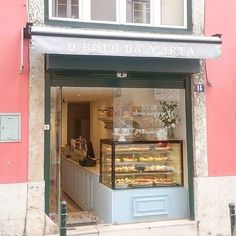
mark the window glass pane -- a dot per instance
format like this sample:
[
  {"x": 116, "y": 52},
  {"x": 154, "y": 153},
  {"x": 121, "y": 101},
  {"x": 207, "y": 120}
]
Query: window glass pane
[
  {"x": 74, "y": 9},
  {"x": 150, "y": 114},
  {"x": 66, "y": 8},
  {"x": 103, "y": 10},
  {"x": 62, "y": 2},
  {"x": 172, "y": 12},
  {"x": 147, "y": 110},
  {"x": 61, "y": 10},
  {"x": 138, "y": 11},
  {"x": 74, "y": 12}
]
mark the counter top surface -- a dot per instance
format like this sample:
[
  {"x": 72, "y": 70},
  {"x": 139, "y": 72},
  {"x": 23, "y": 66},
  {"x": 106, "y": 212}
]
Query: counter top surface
[{"x": 93, "y": 170}]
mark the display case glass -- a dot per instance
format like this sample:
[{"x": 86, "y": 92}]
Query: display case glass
[{"x": 136, "y": 164}]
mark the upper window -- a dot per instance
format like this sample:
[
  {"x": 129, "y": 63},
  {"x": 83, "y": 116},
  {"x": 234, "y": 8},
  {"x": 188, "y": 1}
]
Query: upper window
[
  {"x": 138, "y": 11},
  {"x": 157, "y": 13}
]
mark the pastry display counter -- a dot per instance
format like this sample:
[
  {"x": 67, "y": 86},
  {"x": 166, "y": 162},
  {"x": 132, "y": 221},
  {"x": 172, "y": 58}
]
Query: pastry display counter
[
  {"x": 137, "y": 181},
  {"x": 146, "y": 179},
  {"x": 135, "y": 164}
]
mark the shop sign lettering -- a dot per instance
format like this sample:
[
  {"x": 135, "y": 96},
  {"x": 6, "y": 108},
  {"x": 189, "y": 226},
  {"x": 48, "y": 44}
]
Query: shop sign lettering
[
  {"x": 123, "y": 47},
  {"x": 135, "y": 49}
]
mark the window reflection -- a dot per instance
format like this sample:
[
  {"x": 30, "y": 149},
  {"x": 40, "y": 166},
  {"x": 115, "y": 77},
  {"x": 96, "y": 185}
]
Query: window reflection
[
  {"x": 151, "y": 13},
  {"x": 138, "y": 11},
  {"x": 172, "y": 12},
  {"x": 103, "y": 10},
  {"x": 66, "y": 8}
]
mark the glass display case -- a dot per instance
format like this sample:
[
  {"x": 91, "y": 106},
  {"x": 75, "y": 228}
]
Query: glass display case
[{"x": 136, "y": 164}]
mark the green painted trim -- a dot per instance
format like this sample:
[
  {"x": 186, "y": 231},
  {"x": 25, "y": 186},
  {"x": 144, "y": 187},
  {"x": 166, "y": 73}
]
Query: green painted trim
[
  {"x": 135, "y": 80},
  {"x": 46, "y": 11},
  {"x": 47, "y": 142},
  {"x": 115, "y": 84},
  {"x": 74, "y": 24},
  {"x": 117, "y": 27},
  {"x": 104, "y": 63},
  {"x": 189, "y": 123},
  {"x": 189, "y": 16},
  {"x": 109, "y": 79},
  {"x": 101, "y": 74}
]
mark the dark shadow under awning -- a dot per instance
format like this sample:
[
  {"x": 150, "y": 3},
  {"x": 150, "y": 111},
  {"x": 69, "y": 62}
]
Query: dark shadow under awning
[{"x": 51, "y": 40}]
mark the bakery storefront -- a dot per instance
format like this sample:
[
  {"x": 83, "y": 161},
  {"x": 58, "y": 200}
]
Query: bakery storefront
[{"x": 119, "y": 106}]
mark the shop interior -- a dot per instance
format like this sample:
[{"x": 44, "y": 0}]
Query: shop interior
[{"x": 81, "y": 117}]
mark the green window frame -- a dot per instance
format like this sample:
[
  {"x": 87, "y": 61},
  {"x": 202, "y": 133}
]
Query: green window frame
[
  {"x": 155, "y": 24},
  {"x": 108, "y": 79}
]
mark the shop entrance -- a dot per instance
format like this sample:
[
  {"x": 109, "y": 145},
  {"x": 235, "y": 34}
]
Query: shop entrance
[
  {"x": 84, "y": 119},
  {"x": 74, "y": 138}
]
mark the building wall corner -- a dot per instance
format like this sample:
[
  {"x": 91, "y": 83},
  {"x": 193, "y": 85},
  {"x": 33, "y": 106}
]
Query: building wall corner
[
  {"x": 199, "y": 125},
  {"x": 212, "y": 198},
  {"x": 36, "y": 221},
  {"x": 35, "y": 216}
]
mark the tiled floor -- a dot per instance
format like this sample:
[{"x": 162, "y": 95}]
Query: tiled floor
[
  {"x": 71, "y": 205},
  {"x": 83, "y": 217},
  {"x": 75, "y": 214}
]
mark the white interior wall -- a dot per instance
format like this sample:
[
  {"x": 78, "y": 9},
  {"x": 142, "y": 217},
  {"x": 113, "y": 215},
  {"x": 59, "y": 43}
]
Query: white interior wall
[{"x": 97, "y": 130}]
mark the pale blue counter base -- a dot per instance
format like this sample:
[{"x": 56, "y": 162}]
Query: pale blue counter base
[
  {"x": 126, "y": 205},
  {"x": 138, "y": 205}
]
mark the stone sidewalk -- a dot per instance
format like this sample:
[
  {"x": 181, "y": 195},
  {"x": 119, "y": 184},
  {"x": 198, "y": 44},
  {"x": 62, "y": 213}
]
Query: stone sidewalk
[{"x": 166, "y": 228}]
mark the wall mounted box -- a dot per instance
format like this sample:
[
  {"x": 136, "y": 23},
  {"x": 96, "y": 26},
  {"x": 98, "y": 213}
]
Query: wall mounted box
[{"x": 10, "y": 127}]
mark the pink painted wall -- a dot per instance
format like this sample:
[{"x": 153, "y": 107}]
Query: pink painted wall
[
  {"x": 13, "y": 89},
  {"x": 221, "y": 98}
]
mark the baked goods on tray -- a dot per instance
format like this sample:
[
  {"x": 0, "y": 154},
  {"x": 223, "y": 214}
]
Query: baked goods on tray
[
  {"x": 162, "y": 146},
  {"x": 164, "y": 181},
  {"x": 129, "y": 159},
  {"x": 125, "y": 168},
  {"x": 123, "y": 182},
  {"x": 155, "y": 168},
  {"x": 159, "y": 168},
  {"x": 145, "y": 159},
  {"x": 160, "y": 158},
  {"x": 142, "y": 182}
]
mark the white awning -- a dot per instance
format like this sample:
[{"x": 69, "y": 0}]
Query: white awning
[{"x": 51, "y": 40}]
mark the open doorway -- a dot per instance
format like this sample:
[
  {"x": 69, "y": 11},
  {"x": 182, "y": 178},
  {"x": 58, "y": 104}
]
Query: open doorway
[
  {"x": 74, "y": 122},
  {"x": 78, "y": 120}
]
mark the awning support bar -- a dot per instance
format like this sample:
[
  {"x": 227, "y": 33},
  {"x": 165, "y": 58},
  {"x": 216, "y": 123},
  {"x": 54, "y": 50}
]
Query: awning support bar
[{"x": 22, "y": 52}]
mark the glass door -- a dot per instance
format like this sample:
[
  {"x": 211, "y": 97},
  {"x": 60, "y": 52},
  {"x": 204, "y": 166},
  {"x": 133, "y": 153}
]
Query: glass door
[{"x": 55, "y": 154}]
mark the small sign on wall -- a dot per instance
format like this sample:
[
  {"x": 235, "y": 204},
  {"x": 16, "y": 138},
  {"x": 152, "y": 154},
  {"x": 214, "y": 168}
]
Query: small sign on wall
[
  {"x": 199, "y": 88},
  {"x": 10, "y": 127}
]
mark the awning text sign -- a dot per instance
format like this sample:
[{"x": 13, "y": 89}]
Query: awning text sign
[{"x": 127, "y": 48}]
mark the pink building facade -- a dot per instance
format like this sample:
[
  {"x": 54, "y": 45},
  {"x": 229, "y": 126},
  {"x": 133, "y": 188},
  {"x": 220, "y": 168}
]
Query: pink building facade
[
  {"x": 221, "y": 97},
  {"x": 22, "y": 163},
  {"x": 14, "y": 90}
]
